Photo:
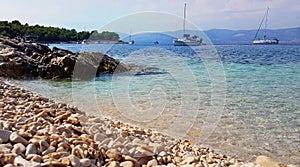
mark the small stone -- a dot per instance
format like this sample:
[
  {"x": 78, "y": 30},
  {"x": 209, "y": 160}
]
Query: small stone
[
  {"x": 30, "y": 149},
  {"x": 19, "y": 148},
  {"x": 144, "y": 160},
  {"x": 9, "y": 165},
  {"x": 19, "y": 161},
  {"x": 113, "y": 154},
  {"x": 49, "y": 150},
  {"x": 4, "y": 149},
  {"x": 162, "y": 154},
  {"x": 65, "y": 161},
  {"x": 128, "y": 158},
  {"x": 25, "y": 135},
  {"x": 127, "y": 164},
  {"x": 114, "y": 164},
  {"x": 151, "y": 163},
  {"x": 4, "y": 135},
  {"x": 144, "y": 152},
  {"x": 35, "y": 158},
  {"x": 75, "y": 161},
  {"x": 43, "y": 145},
  {"x": 16, "y": 138},
  {"x": 85, "y": 162}
]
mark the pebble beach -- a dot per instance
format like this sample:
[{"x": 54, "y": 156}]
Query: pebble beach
[{"x": 36, "y": 131}]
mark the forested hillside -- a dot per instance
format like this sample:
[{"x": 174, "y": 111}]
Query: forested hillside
[{"x": 15, "y": 29}]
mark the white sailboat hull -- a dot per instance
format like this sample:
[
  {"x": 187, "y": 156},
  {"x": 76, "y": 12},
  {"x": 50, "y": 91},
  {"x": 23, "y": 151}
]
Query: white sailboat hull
[
  {"x": 179, "y": 42},
  {"x": 266, "y": 41}
]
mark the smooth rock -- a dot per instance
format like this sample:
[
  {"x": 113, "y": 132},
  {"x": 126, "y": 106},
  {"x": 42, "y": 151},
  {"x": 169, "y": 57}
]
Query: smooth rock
[
  {"x": 65, "y": 161},
  {"x": 49, "y": 150},
  {"x": 4, "y": 135},
  {"x": 152, "y": 163},
  {"x": 19, "y": 148},
  {"x": 114, "y": 164},
  {"x": 19, "y": 161},
  {"x": 30, "y": 149},
  {"x": 35, "y": 158},
  {"x": 85, "y": 162},
  {"x": 16, "y": 138},
  {"x": 25, "y": 135},
  {"x": 127, "y": 164},
  {"x": 43, "y": 145},
  {"x": 75, "y": 161},
  {"x": 4, "y": 149},
  {"x": 113, "y": 154},
  {"x": 144, "y": 152}
]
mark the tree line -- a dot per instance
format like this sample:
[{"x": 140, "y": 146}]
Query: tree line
[{"x": 15, "y": 29}]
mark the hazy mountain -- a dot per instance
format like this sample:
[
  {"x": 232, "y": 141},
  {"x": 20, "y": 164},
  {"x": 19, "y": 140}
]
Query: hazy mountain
[
  {"x": 220, "y": 36},
  {"x": 288, "y": 35}
]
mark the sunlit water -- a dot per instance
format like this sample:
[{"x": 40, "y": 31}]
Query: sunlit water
[{"x": 247, "y": 105}]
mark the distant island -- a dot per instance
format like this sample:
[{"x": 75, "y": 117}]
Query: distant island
[
  {"x": 45, "y": 34},
  {"x": 217, "y": 36}
]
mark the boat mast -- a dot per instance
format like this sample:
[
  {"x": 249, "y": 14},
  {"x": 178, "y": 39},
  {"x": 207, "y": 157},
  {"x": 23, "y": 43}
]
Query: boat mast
[
  {"x": 184, "y": 16},
  {"x": 262, "y": 21},
  {"x": 130, "y": 35},
  {"x": 265, "y": 36}
]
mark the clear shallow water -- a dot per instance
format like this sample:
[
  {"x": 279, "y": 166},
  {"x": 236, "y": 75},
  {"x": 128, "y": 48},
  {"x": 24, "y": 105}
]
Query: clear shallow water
[{"x": 246, "y": 104}]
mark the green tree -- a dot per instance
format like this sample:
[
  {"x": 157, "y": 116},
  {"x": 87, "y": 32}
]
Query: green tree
[{"x": 52, "y": 34}]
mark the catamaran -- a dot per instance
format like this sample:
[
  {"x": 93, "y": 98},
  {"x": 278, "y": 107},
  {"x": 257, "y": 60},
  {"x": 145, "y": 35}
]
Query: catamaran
[
  {"x": 187, "y": 39},
  {"x": 265, "y": 39}
]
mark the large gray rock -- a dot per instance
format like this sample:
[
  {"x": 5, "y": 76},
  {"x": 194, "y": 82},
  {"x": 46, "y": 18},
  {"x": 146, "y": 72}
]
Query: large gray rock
[{"x": 31, "y": 60}]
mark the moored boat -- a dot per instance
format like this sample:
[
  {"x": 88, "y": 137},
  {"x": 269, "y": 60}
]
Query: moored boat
[
  {"x": 187, "y": 39},
  {"x": 266, "y": 40}
]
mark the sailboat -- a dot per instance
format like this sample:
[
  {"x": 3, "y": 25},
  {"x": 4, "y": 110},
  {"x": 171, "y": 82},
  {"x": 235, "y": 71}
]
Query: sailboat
[
  {"x": 131, "y": 42},
  {"x": 187, "y": 39},
  {"x": 265, "y": 39}
]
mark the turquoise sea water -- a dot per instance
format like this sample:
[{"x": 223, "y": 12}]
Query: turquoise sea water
[{"x": 241, "y": 99}]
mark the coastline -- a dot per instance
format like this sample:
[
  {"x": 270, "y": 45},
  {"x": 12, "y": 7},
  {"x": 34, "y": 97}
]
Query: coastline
[
  {"x": 40, "y": 132},
  {"x": 25, "y": 117}
]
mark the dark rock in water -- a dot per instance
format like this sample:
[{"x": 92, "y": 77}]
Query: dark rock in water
[
  {"x": 23, "y": 60},
  {"x": 150, "y": 71}
]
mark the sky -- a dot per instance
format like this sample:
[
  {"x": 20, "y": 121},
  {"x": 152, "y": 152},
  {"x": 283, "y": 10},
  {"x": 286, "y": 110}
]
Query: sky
[{"x": 203, "y": 14}]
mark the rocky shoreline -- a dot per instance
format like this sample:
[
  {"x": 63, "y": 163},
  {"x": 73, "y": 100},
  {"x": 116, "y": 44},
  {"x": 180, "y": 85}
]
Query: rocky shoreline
[
  {"x": 36, "y": 131},
  {"x": 32, "y": 60}
]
